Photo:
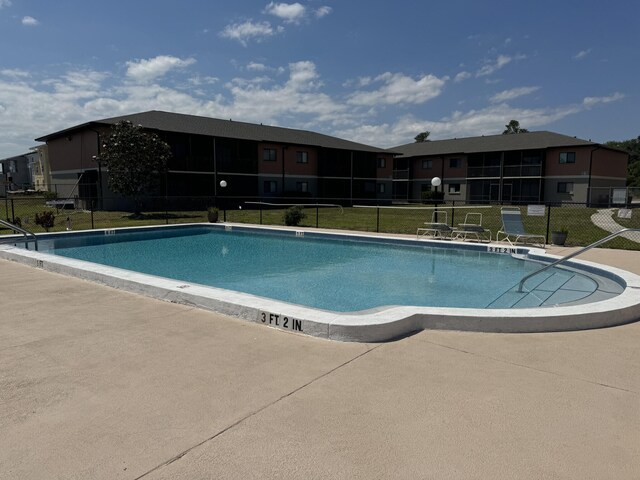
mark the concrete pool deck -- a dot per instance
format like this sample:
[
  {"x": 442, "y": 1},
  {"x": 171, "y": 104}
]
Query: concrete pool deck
[{"x": 100, "y": 383}]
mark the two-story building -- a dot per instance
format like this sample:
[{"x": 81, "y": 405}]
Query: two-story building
[
  {"x": 255, "y": 161},
  {"x": 528, "y": 167}
]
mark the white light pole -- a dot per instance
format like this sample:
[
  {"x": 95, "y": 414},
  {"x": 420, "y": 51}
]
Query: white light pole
[
  {"x": 223, "y": 184},
  {"x": 435, "y": 183}
]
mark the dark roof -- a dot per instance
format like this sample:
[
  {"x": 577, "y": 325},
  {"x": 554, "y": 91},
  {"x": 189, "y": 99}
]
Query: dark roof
[
  {"x": 177, "y": 122},
  {"x": 491, "y": 143}
]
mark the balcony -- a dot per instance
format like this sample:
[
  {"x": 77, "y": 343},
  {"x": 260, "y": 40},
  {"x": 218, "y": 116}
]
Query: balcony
[{"x": 401, "y": 174}]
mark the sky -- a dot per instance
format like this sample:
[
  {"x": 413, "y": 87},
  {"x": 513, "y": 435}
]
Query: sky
[{"x": 369, "y": 71}]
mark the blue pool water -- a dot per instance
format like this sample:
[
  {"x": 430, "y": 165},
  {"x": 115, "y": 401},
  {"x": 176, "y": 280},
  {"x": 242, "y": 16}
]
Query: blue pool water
[{"x": 333, "y": 274}]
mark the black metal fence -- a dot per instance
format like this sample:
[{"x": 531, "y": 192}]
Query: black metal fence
[{"x": 583, "y": 224}]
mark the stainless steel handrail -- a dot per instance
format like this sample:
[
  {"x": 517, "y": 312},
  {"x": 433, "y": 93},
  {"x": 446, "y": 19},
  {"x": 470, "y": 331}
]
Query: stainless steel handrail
[
  {"x": 26, "y": 233},
  {"x": 575, "y": 254}
]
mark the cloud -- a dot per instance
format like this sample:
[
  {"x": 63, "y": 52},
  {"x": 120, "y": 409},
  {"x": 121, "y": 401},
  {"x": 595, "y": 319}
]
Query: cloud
[
  {"x": 507, "y": 95},
  {"x": 15, "y": 73},
  {"x": 289, "y": 12},
  {"x": 256, "y": 67},
  {"x": 33, "y": 106},
  {"x": 30, "y": 21},
  {"x": 581, "y": 54},
  {"x": 399, "y": 89},
  {"x": 591, "y": 101},
  {"x": 490, "y": 68},
  {"x": 5, "y": 3},
  {"x": 246, "y": 31},
  {"x": 461, "y": 77},
  {"x": 148, "y": 70},
  {"x": 323, "y": 11}
]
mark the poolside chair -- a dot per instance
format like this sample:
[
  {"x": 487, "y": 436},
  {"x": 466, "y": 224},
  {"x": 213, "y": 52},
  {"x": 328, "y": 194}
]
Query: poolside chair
[
  {"x": 436, "y": 228},
  {"x": 472, "y": 228},
  {"x": 513, "y": 230}
]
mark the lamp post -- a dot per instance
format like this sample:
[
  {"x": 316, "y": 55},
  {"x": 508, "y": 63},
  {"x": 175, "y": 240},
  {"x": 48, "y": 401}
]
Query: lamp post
[
  {"x": 223, "y": 184},
  {"x": 435, "y": 183}
]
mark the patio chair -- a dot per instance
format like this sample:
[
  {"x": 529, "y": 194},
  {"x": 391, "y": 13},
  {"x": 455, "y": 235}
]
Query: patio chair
[
  {"x": 513, "y": 230},
  {"x": 472, "y": 227},
  {"x": 436, "y": 228}
]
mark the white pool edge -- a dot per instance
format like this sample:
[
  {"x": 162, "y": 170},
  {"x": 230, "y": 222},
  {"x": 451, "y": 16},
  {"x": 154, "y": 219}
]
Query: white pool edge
[{"x": 371, "y": 326}]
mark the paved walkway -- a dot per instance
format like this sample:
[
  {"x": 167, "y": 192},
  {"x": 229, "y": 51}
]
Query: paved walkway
[
  {"x": 97, "y": 383},
  {"x": 604, "y": 219}
]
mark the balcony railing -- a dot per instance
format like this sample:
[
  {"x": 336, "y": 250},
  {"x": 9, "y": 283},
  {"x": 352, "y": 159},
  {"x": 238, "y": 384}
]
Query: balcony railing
[{"x": 401, "y": 174}]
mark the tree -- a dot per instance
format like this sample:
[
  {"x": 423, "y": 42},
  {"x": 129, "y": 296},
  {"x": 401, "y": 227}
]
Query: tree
[
  {"x": 135, "y": 160},
  {"x": 633, "y": 148},
  {"x": 514, "y": 127},
  {"x": 422, "y": 137}
]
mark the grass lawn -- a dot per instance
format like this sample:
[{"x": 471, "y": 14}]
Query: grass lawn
[{"x": 576, "y": 219}]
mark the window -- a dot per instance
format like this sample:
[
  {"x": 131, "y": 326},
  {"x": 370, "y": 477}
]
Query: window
[
  {"x": 302, "y": 157},
  {"x": 12, "y": 166},
  {"x": 382, "y": 162},
  {"x": 567, "y": 157},
  {"x": 269, "y": 155},
  {"x": 455, "y": 163},
  {"x": 369, "y": 187},
  {"x": 454, "y": 188},
  {"x": 302, "y": 187},
  {"x": 270, "y": 186},
  {"x": 381, "y": 188},
  {"x": 565, "y": 187},
  {"x": 427, "y": 164}
]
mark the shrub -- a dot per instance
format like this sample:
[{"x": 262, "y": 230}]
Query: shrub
[
  {"x": 212, "y": 214},
  {"x": 293, "y": 216},
  {"x": 432, "y": 195},
  {"x": 45, "y": 220},
  {"x": 50, "y": 195}
]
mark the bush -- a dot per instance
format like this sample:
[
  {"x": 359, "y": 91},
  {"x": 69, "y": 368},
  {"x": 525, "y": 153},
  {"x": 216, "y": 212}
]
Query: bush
[
  {"x": 45, "y": 220},
  {"x": 50, "y": 195},
  {"x": 293, "y": 216},
  {"x": 432, "y": 195},
  {"x": 212, "y": 214}
]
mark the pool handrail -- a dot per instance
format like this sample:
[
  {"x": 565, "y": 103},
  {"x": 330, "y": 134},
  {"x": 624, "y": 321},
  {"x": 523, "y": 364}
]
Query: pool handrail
[
  {"x": 575, "y": 254},
  {"x": 24, "y": 232}
]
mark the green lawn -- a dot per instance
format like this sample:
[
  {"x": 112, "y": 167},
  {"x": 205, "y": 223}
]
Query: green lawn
[{"x": 386, "y": 220}]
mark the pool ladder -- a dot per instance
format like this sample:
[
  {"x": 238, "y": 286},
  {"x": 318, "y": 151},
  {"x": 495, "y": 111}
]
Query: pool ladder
[
  {"x": 24, "y": 232},
  {"x": 575, "y": 254}
]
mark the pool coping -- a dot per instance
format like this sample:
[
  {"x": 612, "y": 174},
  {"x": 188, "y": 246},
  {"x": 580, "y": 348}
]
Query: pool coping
[{"x": 381, "y": 324}]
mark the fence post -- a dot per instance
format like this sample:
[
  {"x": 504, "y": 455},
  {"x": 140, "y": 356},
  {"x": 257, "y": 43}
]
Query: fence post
[
  {"x": 548, "y": 221},
  {"x": 92, "y": 226},
  {"x": 13, "y": 212},
  {"x": 260, "y": 214},
  {"x": 453, "y": 211},
  {"x": 378, "y": 219}
]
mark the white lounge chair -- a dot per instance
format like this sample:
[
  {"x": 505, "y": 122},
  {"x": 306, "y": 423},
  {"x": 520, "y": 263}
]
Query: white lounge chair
[
  {"x": 513, "y": 230},
  {"x": 436, "y": 228},
  {"x": 472, "y": 228}
]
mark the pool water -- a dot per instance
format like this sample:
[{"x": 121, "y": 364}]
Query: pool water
[{"x": 343, "y": 275}]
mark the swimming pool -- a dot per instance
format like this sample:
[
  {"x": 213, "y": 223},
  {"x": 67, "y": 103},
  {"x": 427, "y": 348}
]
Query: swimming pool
[{"x": 340, "y": 285}]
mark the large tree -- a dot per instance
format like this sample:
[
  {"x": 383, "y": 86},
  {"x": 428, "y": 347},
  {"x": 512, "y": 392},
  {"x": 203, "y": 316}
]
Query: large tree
[
  {"x": 513, "y": 127},
  {"x": 135, "y": 160},
  {"x": 422, "y": 137},
  {"x": 633, "y": 148}
]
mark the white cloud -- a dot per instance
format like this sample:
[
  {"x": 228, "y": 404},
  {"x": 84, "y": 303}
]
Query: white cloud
[
  {"x": 591, "y": 101},
  {"x": 246, "y": 31},
  {"x": 507, "y": 95},
  {"x": 148, "y": 70},
  {"x": 323, "y": 11},
  {"x": 15, "y": 73},
  {"x": 32, "y": 106},
  {"x": 289, "y": 12},
  {"x": 490, "y": 68},
  {"x": 400, "y": 89},
  {"x": 582, "y": 54},
  {"x": 5, "y": 3},
  {"x": 30, "y": 21},
  {"x": 256, "y": 67},
  {"x": 461, "y": 77}
]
